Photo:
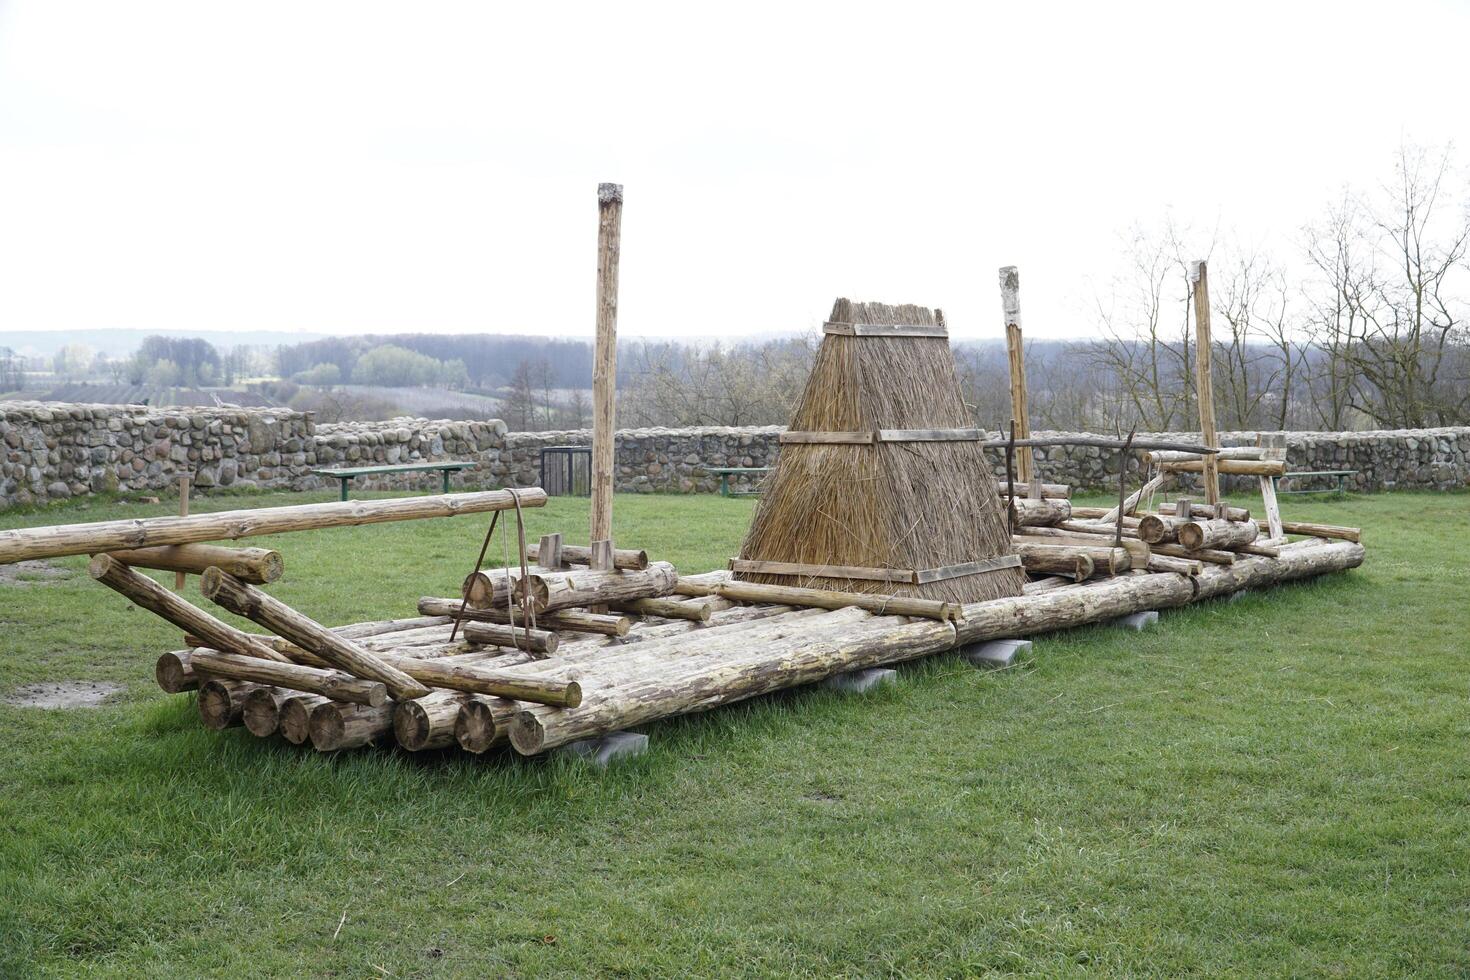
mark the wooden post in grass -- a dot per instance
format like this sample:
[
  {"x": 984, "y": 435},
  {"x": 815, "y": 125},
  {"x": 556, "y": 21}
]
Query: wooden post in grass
[
  {"x": 183, "y": 512},
  {"x": 1010, "y": 302},
  {"x": 1203, "y": 380},
  {"x": 605, "y": 362}
]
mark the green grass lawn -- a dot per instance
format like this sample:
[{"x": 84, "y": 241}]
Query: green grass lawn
[{"x": 1278, "y": 785}]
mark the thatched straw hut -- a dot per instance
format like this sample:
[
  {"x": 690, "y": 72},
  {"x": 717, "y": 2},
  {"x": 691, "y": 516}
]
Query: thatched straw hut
[{"x": 881, "y": 485}]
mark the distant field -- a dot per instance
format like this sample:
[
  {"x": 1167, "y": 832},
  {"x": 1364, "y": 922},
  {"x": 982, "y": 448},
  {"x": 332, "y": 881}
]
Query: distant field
[
  {"x": 417, "y": 401},
  {"x": 153, "y": 395}
]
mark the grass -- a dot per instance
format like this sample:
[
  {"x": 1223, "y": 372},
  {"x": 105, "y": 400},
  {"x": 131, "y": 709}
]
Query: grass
[{"x": 1272, "y": 786}]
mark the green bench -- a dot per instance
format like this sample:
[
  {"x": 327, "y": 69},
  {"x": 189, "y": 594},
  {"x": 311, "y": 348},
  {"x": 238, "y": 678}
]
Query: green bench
[
  {"x": 346, "y": 474},
  {"x": 1341, "y": 488},
  {"x": 725, "y": 472}
]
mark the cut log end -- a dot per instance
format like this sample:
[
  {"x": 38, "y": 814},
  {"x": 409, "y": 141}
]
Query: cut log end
[
  {"x": 173, "y": 673},
  {"x": 527, "y": 734},
  {"x": 474, "y": 727},
  {"x": 411, "y": 725},
  {"x": 295, "y": 717},
  {"x": 221, "y": 703},
  {"x": 262, "y": 711}
]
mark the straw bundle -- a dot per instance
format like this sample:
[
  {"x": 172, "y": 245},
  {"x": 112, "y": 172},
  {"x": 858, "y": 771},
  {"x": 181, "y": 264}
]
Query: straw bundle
[{"x": 889, "y": 505}]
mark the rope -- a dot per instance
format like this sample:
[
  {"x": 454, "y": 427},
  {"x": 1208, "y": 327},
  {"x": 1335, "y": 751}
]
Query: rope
[{"x": 479, "y": 563}]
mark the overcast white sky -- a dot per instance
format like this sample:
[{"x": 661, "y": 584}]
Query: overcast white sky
[{"x": 353, "y": 167}]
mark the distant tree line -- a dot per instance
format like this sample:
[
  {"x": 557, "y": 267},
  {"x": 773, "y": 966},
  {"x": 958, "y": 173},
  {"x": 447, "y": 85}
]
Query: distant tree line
[{"x": 480, "y": 361}]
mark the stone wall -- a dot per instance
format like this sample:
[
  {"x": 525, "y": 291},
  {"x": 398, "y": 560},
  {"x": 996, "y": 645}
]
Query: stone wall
[{"x": 54, "y": 451}]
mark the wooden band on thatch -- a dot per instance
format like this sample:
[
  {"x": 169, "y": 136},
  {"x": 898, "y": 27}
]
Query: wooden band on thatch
[
  {"x": 930, "y": 435},
  {"x": 908, "y": 576},
  {"x": 881, "y": 435},
  {"x": 827, "y": 438},
  {"x": 966, "y": 568},
  {"x": 885, "y": 329}
]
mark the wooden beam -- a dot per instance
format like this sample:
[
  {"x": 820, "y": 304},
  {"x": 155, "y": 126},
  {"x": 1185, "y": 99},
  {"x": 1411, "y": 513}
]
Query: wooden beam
[
  {"x": 885, "y": 329},
  {"x": 258, "y": 566},
  {"x": 827, "y": 438},
  {"x": 930, "y": 435},
  {"x": 1203, "y": 380},
  {"x": 605, "y": 358},
  {"x": 1010, "y": 304},
  {"x": 59, "y": 540}
]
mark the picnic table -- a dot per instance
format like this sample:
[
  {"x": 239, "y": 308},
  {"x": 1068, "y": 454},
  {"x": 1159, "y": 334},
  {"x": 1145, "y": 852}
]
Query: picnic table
[
  {"x": 1341, "y": 475},
  {"x": 725, "y": 472},
  {"x": 346, "y": 473}
]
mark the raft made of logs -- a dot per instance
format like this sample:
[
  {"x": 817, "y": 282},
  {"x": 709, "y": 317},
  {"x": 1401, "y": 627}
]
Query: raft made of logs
[{"x": 745, "y": 640}]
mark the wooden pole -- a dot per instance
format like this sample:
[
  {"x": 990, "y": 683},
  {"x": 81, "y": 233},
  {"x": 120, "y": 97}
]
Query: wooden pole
[
  {"x": 1203, "y": 380},
  {"x": 59, "y": 540},
  {"x": 1010, "y": 302},
  {"x": 572, "y": 620},
  {"x": 826, "y": 599},
  {"x": 312, "y": 680},
  {"x": 575, "y": 554},
  {"x": 605, "y": 363},
  {"x": 258, "y": 566},
  {"x": 183, "y": 512}
]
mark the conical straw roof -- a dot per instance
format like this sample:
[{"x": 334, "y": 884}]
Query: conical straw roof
[{"x": 898, "y": 505}]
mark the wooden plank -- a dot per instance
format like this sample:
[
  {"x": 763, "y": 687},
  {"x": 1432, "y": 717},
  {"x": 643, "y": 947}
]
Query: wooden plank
[
  {"x": 885, "y": 329},
  {"x": 930, "y": 435},
  {"x": 964, "y": 569},
  {"x": 827, "y": 438},
  {"x": 1203, "y": 380},
  {"x": 1010, "y": 302},
  {"x": 548, "y": 552},
  {"x": 821, "y": 571},
  {"x": 1273, "y": 444}
]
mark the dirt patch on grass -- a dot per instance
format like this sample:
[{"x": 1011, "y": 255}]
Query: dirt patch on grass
[
  {"x": 65, "y": 694},
  {"x": 25, "y": 573}
]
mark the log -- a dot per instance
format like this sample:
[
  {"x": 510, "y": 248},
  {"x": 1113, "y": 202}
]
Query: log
[
  {"x": 335, "y": 725},
  {"x": 1156, "y": 529},
  {"x": 1222, "y": 535},
  {"x": 1265, "y": 551},
  {"x": 1046, "y": 584},
  {"x": 258, "y": 566},
  {"x": 479, "y": 680},
  {"x": 697, "y": 611},
  {"x": 1056, "y": 559},
  {"x": 1336, "y": 531},
  {"x": 1225, "y": 452},
  {"x": 262, "y": 710},
  {"x": 605, "y": 358},
  {"x": 572, "y": 620},
  {"x": 174, "y": 672},
  {"x": 488, "y": 588},
  {"x": 1048, "y": 490},
  {"x": 1209, "y": 556},
  {"x": 484, "y": 722},
  {"x": 631, "y": 559},
  {"x": 830, "y": 599},
  {"x": 221, "y": 703},
  {"x": 60, "y": 540},
  {"x": 1239, "y": 467},
  {"x": 735, "y": 675},
  {"x": 428, "y": 723},
  {"x": 1041, "y": 513},
  {"x": 295, "y": 717},
  {"x": 1231, "y": 513},
  {"x": 519, "y": 637},
  {"x": 275, "y": 615},
  {"x": 1083, "y": 536},
  {"x": 329, "y": 683},
  {"x": 1131, "y": 504},
  {"x": 1165, "y": 563},
  {"x": 563, "y": 590},
  {"x": 1106, "y": 560},
  {"x": 145, "y": 592}
]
